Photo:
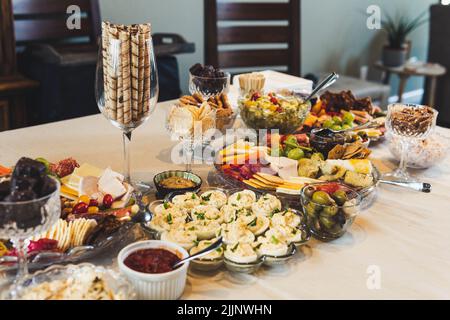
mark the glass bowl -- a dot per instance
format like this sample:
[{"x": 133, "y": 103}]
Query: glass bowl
[
  {"x": 116, "y": 283},
  {"x": 247, "y": 268},
  {"x": 209, "y": 87},
  {"x": 328, "y": 219},
  {"x": 425, "y": 153},
  {"x": 277, "y": 112},
  {"x": 273, "y": 261}
]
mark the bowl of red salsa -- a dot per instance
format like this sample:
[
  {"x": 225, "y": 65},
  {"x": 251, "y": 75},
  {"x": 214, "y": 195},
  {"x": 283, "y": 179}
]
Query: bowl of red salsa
[{"x": 148, "y": 265}]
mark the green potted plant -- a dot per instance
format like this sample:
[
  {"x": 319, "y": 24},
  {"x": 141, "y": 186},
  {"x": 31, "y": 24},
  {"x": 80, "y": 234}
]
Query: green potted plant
[{"x": 395, "y": 53}]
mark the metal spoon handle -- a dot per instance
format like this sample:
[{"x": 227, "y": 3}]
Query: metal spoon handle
[
  {"x": 331, "y": 79},
  {"x": 416, "y": 186},
  {"x": 200, "y": 254}
]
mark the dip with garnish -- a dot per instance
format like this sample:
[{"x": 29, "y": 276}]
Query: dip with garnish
[{"x": 177, "y": 183}]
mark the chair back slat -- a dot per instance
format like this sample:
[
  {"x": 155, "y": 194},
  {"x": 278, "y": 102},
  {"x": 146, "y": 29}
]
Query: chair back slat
[
  {"x": 45, "y": 21},
  {"x": 251, "y": 58},
  {"x": 240, "y": 35},
  {"x": 264, "y": 24},
  {"x": 45, "y": 7},
  {"x": 252, "y": 11}
]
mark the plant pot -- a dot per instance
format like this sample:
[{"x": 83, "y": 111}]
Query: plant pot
[{"x": 394, "y": 57}]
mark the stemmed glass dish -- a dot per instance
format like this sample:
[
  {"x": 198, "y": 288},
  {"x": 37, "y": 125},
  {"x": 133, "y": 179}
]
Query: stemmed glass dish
[
  {"x": 409, "y": 123},
  {"x": 192, "y": 126},
  {"x": 20, "y": 221},
  {"x": 127, "y": 80},
  {"x": 209, "y": 87}
]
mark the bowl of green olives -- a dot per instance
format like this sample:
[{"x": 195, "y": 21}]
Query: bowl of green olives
[{"x": 330, "y": 208}]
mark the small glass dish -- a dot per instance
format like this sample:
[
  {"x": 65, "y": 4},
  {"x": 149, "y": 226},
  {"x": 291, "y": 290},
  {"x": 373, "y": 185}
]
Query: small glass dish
[
  {"x": 164, "y": 191},
  {"x": 209, "y": 87},
  {"x": 328, "y": 222},
  {"x": 207, "y": 265},
  {"x": 273, "y": 261},
  {"x": 247, "y": 268},
  {"x": 116, "y": 283}
]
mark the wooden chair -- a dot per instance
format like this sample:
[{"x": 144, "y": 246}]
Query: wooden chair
[
  {"x": 62, "y": 58},
  {"x": 45, "y": 21},
  {"x": 14, "y": 87},
  {"x": 216, "y": 34}
]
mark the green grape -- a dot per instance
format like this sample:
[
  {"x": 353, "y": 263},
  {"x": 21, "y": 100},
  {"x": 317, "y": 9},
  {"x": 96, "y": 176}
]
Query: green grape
[
  {"x": 337, "y": 120},
  {"x": 328, "y": 124},
  {"x": 337, "y": 127},
  {"x": 348, "y": 118},
  {"x": 296, "y": 154}
]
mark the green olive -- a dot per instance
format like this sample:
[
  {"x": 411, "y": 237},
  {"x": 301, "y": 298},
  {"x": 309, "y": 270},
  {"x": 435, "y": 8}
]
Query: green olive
[
  {"x": 322, "y": 198},
  {"x": 330, "y": 211},
  {"x": 340, "y": 197},
  {"x": 310, "y": 209},
  {"x": 327, "y": 222}
]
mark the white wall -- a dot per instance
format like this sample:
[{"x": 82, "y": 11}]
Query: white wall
[{"x": 334, "y": 32}]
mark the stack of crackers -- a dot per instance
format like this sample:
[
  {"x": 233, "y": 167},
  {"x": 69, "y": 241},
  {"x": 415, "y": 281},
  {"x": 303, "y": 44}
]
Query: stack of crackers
[
  {"x": 69, "y": 234},
  {"x": 269, "y": 182},
  {"x": 127, "y": 71},
  {"x": 191, "y": 119},
  {"x": 220, "y": 103}
]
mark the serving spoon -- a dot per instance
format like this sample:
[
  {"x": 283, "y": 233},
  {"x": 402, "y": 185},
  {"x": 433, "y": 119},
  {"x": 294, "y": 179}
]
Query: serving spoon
[
  {"x": 200, "y": 254},
  {"x": 330, "y": 80}
]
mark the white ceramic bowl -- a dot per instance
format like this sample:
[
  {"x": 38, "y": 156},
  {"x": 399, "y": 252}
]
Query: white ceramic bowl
[{"x": 164, "y": 286}]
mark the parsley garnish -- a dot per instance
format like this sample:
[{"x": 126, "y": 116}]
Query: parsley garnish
[
  {"x": 253, "y": 223},
  {"x": 196, "y": 243},
  {"x": 166, "y": 205},
  {"x": 200, "y": 216},
  {"x": 194, "y": 196},
  {"x": 235, "y": 247},
  {"x": 275, "y": 240},
  {"x": 238, "y": 197},
  {"x": 169, "y": 219},
  {"x": 207, "y": 198}
]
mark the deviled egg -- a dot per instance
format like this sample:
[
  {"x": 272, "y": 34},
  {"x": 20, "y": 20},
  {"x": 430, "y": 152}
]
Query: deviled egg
[
  {"x": 258, "y": 225},
  {"x": 185, "y": 238},
  {"x": 242, "y": 199},
  {"x": 204, "y": 229},
  {"x": 241, "y": 253},
  {"x": 286, "y": 218},
  {"x": 202, "y": 245},
  {"x": 285, "y": 234},
  {"x": 236, "y": 232},
  {"x": 188, "y": 200},
  {"x": 165, "y": 222},
  {"x": 271, "y": 246},
  {"x": 214, "y": 198},
  {"x": 229, "y": 213},
  {"x": 206, "y": 213},
  {"x": 267, "y": 205}
]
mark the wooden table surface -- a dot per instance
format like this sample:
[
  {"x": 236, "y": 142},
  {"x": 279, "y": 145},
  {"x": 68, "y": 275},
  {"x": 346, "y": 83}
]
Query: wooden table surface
[{"x": 398, "y": 249}]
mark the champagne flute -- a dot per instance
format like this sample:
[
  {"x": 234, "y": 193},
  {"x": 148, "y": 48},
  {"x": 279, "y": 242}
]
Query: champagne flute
[
  {"x": 126, "y": 85},
  {"x": 410, "y": 123}
]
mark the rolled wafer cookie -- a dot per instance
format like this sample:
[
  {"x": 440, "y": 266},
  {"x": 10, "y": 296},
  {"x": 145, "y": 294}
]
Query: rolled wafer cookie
[
  {"x": 147, "y": 71},
  {"x": 141, "y": 72},
  {"x": 135, "y": 72},
  {"x": 126, "y": 75},
  {"x": 113, "y": 64},
  {"x": 105, "y": 41}
]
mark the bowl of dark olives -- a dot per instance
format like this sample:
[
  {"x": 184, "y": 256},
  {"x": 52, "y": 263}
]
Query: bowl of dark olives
[{"x": 330, "y": 208}]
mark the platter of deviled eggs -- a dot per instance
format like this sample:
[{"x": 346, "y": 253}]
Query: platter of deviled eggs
[{"x": 256, "y": 228}]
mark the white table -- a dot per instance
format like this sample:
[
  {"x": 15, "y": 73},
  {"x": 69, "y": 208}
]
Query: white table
[{"x": 405, "y": 235}]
